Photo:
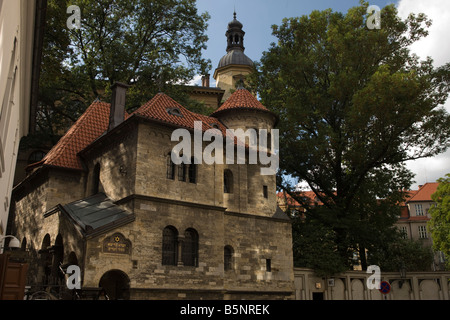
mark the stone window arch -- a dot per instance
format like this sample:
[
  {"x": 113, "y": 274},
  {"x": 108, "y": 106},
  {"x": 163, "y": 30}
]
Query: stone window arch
[
  {"x": 170, "y": 246},
  {"x": 190, "y": 248}
]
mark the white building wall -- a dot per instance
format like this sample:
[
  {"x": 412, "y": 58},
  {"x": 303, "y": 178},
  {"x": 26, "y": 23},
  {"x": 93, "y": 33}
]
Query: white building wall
[{"x": 16, "y": 48}]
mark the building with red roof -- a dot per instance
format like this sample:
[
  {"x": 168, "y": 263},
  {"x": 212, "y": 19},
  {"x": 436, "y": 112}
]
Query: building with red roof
[
  {"x": 414, "y": 218},
  {"x": 109, "y": 199}
]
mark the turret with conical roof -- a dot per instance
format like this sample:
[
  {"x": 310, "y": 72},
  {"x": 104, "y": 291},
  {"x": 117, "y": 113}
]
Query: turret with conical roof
[
  {"x": 243, "y": 111},
  {"x": 235, "y": 65}
]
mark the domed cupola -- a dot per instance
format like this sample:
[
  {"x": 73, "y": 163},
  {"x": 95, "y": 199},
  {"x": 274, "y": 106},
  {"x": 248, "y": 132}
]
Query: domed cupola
[
  {"x": 235, "y": 35},
  {"x": 235, "y": 65}
]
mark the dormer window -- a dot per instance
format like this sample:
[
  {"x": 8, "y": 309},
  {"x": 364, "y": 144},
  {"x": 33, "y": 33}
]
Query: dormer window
[
  {"x": 174, "y": 112},
  {"x": 215, "y": 126}
]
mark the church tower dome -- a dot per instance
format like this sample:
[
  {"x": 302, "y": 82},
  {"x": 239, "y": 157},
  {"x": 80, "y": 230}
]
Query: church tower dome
[{"x": 235, "y": 65}]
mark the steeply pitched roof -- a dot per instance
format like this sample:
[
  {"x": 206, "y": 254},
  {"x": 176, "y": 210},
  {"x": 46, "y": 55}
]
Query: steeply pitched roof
[
  {"x": 92, "y": 124},
  {"x": 424, "y": 193}
]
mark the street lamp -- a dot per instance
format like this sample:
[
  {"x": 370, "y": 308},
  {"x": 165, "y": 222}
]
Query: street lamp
[{"x": 14, "y": 243}]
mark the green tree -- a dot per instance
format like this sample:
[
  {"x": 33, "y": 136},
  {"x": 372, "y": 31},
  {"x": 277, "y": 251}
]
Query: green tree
[
  {"x": 152, "y": 45},
  {"x": 407, "y": 254},
  {"x": 354, "y": 104},
  {"x": 440, "y": 218}
]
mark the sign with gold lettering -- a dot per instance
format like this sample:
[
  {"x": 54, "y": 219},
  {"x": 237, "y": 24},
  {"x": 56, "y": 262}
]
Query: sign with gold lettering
[{"x": 117, "y": 244}]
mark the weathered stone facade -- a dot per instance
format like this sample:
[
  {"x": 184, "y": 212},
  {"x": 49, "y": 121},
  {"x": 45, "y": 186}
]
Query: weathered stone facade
[{"x": 129, "y": 165}]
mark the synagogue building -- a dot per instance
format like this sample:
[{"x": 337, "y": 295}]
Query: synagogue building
[{"x": 109, "y": 199}]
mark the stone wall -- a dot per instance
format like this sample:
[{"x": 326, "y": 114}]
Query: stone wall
[
  {"x": 31, "y": 223},
  {"x": 253, "y": 240}
]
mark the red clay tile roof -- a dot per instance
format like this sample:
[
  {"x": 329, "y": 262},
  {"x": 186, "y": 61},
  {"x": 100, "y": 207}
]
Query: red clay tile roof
[
  {"x": 424, "y": 193},
  {"x": 91, "y": 125},
  {"x": 159, "y": 109},
  {"x": 240, "y": 99},
  {"x": 95, "y": 120}
]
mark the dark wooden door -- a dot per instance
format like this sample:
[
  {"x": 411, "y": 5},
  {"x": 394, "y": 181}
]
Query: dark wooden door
[{"x": 12, "y": 278}]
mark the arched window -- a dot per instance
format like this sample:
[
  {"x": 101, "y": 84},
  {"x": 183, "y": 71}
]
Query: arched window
[
  {"x": 170, "y": 168},
  {"x": 227, "y": 181},
  {"x": 193, "y": 171},
  {"x": 228, "y": 258},
  {"x": 190, "y": 248},
  {"x": 169, "y": 246}
]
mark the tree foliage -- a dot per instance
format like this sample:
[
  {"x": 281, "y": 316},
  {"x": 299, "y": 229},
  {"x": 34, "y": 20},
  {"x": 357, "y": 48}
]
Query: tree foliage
[
  {"x": 152, "y": 45},
  {"x": 354, "y": 104},
  {"x": 440, "y": 218}
]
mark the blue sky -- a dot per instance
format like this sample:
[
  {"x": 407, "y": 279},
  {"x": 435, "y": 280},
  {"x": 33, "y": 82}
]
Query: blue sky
[{"x": 257, "y": 17}]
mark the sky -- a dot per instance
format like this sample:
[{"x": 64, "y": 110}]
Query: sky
[{"x": 258, "y": 16}]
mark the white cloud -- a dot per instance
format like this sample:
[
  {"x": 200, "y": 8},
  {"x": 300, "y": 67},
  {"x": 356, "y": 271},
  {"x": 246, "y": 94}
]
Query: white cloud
[
  {"x": 197, "y": 80},
  {"x": 437, "y": 46}
]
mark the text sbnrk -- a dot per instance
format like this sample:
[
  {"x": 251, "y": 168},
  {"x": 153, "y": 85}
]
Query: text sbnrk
[{"x": 262, "y": 144}]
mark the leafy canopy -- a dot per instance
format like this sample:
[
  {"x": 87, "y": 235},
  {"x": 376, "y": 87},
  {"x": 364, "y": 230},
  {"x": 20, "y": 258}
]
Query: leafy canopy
[
  {"x": 354, "y": 104},
  {"x": 440, "y": 218},
  {"x": 152, "y": 45}
]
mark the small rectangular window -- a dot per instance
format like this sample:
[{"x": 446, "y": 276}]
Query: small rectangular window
[
  {"x": 265, "y": 192},
  {"x": 269, "y": 265}
]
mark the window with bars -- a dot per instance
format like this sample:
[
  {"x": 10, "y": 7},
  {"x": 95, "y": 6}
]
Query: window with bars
[
  {"x": 190, "y": 248},
  {"x": 169, "y": 246}
]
